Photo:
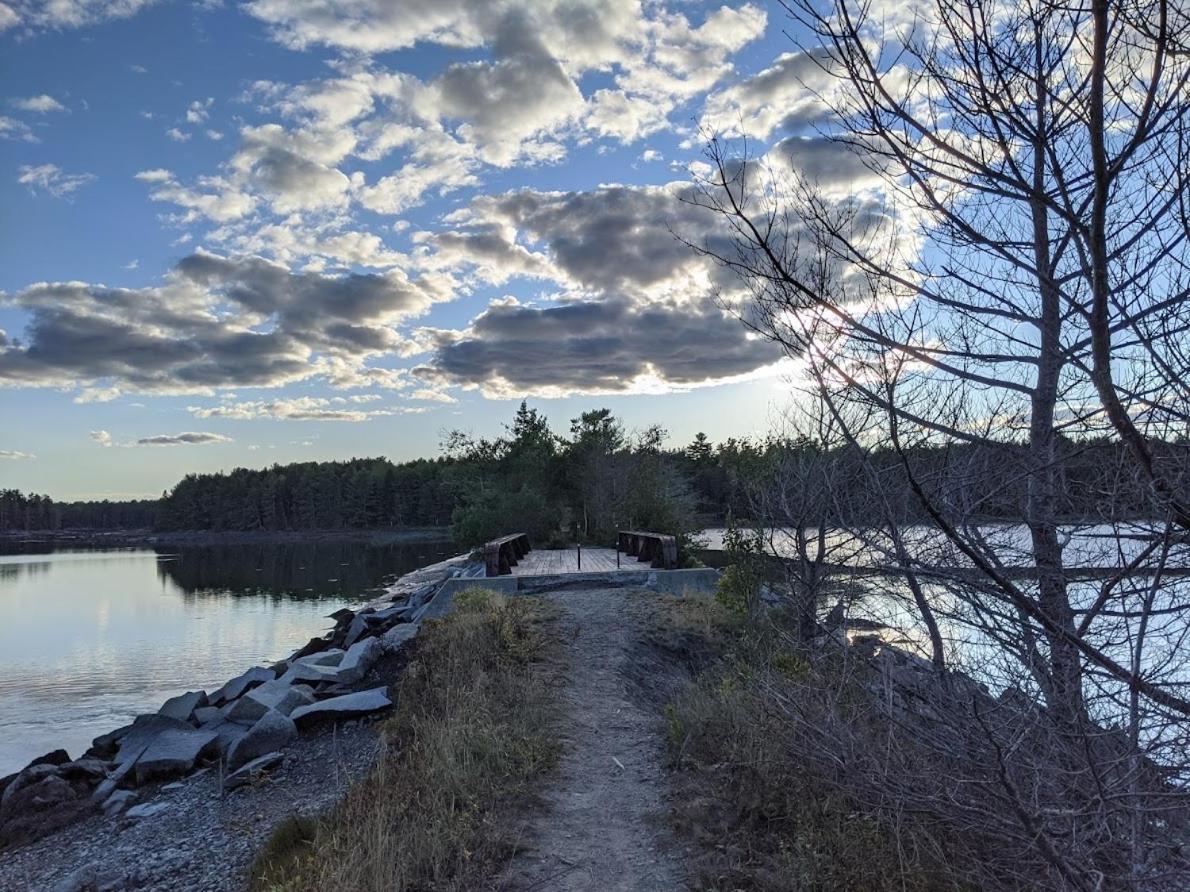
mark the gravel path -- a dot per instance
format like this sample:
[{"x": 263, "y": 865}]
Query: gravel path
[{"x": 602, "y": 826}]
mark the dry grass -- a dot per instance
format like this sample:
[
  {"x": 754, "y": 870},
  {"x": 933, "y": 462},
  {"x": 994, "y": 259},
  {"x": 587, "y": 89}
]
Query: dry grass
[
  {"x": 767, "y": 819},
  {"x": 472, "y": 734}
]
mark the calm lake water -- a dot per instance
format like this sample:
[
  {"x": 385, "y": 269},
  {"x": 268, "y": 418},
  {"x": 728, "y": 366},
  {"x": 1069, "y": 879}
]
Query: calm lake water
[{"x": 90, "y": 639}]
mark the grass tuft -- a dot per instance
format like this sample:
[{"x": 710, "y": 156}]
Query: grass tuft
[{"x": 473, "y": 731}]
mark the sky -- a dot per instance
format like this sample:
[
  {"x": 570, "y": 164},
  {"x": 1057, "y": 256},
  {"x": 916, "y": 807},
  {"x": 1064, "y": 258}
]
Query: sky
[{"x": 233, "y": 234}]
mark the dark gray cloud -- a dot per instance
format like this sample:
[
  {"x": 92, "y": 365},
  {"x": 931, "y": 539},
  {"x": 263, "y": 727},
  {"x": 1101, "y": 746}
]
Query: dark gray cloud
[
  {"x": 351, "y": 312},
  {"x": 215, "y": 322},
  {"x": 612, "y": 345},
  {"x": 190, "y": 438},
  {"x": 614, "y": 239}
]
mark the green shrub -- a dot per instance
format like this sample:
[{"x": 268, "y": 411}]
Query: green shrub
[{"x": 740, "y": 583}]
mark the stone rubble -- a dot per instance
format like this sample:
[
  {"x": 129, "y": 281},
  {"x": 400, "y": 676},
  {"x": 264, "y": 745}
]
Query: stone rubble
[
  {"x": 271, "y": 733},
  {"x": 249, "y": 720}
]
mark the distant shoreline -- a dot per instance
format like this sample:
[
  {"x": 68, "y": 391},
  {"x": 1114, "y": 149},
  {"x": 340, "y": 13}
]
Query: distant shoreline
[{"x": 146, "y": 537}]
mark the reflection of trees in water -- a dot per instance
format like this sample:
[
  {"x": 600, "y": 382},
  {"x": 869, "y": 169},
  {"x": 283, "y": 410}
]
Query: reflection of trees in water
[
  {"x": 10, "y": 572},
  {"x": 292, "y": 570}
]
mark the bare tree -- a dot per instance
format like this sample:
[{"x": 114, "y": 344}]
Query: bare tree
[{"x": 1019, "y": 277}]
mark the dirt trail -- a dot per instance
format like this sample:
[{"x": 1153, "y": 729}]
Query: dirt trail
[{"x": 601, "y": 826}]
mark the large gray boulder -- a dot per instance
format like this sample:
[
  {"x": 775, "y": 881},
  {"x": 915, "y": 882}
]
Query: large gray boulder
[
  {"x": 399, "y": 614},
  {"x": 135, "y": 738},
  {"x": 173, "y": 752},
  {"x": 41, "y": 795},
  {"x": 85, "y": 770},
  {"x": 182, "y": 706},
  {"x": 358, "y": 626},
  {"x": 252, "y": 770},
  {"x": 246, "y": 711},
  {"x": 277, "y": 695},
  {"x": 241, "y": 683},
  {"x": 398, "y": 636},
  {"x": 353, "y": 665},
  {"x": 358, "y": 660},
  {"x": 271, "y": 733},
  {"x": 205, "y": 714},
  {"x": 57, "y": 757},
  {"x": 345, "y": 707},
  {"x": 326, "y": 658},
  {"x": 27, "y": 777},
  {"x": 113, "y": 781},
  {"x": 307, "y": 673},
  {"x": 226, "y": 734}
]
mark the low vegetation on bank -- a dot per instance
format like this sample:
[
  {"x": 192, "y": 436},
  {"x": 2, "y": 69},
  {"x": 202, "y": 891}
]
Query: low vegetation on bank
[
  {"x": 472, "y": 733},
  {"x": 766, "y": 818},
  {"x": 858, "y": 766}
]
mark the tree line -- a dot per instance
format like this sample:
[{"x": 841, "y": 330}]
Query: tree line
[
  {"x": 594, "y": 479},
  {"x": 21, "y": 512}
]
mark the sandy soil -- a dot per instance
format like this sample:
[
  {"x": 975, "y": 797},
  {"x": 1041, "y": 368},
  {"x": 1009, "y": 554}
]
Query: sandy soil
[{"x": 601, "y": 825}]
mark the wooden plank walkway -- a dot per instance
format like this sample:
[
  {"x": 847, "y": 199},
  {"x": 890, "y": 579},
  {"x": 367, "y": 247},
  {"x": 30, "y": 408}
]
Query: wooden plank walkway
[{"x": 543, "y": 562}]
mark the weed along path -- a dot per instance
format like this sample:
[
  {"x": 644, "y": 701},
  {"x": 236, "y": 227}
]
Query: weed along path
[{"x": 602, "y": 823}]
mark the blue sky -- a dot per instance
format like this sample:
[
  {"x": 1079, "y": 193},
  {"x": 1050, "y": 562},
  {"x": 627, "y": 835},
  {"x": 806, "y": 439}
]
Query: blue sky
[{"x": 237, "y": 234}]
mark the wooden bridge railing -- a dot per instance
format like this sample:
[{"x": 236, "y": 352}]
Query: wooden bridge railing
[
  {"x": 657, "y": 548},
  {"x": 501, "y": 555}
]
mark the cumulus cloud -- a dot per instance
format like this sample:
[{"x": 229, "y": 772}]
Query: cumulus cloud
[
  {"x": 608, "y": 346},
  {"x": 190, "y": 438},
  {"x": 294, "y": 170},
  {"x": 15, "y": 455},
  {"x": 51, "y": 179},
  {"x": 212, "y": 198},
  {"x": 637, "y": 312},
  {"x": 575, "y": 31},
  {"x": 103, "y": 438},
  {"x": 614, "y": 239},
  {"x": 520, "y": 103},
  {"x": 214, "y": 322},
  {"x": 789, "y": 95},
  {"x": 67, "y": 13},
  {"x": 834, "y": 169},
  {"x": 199, "y": 110},
  {"x": 39, "y": 104},
  {"x": 525, "y": 92},
  {"x": 177, "y": 135}
]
